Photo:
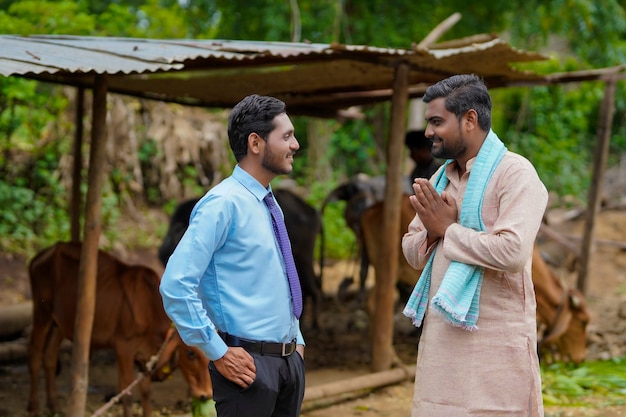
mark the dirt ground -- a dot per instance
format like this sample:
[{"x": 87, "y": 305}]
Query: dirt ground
[{"x": 340, "y": 348}]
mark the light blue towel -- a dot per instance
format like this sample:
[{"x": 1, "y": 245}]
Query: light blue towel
[{"x": 458, "y": 295}]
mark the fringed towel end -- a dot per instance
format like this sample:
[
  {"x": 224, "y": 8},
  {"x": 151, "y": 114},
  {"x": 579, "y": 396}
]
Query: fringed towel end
[{"x": 412, "y": 314}]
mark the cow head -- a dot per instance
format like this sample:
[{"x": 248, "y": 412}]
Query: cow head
[
  {"x": 565, "y": 338},
  {"x": 359, "y": 192},
  {"x": 193, "y": 364},
  {"x": 562, "y": 315}
]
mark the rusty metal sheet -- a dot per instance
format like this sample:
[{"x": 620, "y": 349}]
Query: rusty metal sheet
[{"x": 217, "y": 73}]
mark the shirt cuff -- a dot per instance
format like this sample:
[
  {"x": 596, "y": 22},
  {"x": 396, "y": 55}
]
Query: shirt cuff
[{"x": 216, "y": 348}]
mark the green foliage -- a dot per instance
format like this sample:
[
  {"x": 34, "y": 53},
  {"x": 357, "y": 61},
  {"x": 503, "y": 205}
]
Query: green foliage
[
  {"x": 569, "y": 385},
  {"x": 204, "y": 408},
  {"x": 398, "y": 24},
  {"x": 358, "y": 146},
  {"x": 593, "y": 30},
  {"x": 555, "y": 127},
  {"x": 339, "y": 240},
  {"x": 31, "y": 194},
  {"x": 28, "y": 219},
  {"x": 51, "y": 17}
]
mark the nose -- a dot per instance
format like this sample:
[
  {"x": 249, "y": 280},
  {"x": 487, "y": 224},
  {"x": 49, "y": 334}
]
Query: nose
[
  {"x": 429, "y": 132},
  {"x": 295, "y": 145}
]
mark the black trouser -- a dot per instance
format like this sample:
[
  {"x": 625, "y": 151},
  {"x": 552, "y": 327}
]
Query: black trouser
[{"x": 277, "y": 390}]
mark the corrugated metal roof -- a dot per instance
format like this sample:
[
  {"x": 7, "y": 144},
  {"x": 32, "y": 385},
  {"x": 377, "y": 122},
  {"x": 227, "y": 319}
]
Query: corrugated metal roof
[{"x": 310, "y": 78}]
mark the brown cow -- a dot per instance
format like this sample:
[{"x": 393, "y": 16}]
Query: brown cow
[
  {"x": 563, "y": 312},
  {"x": 129, "y": 318},
  {"x": 372, "y": 230}
]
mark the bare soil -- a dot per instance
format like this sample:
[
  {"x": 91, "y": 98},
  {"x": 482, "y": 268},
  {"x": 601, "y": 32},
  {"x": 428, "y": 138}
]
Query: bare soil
[{"x": 340, "y": 348}]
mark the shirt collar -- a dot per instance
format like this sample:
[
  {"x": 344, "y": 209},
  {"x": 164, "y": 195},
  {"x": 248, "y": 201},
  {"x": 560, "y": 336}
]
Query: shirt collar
[
  {"x": 452, "y": 168},
  {"x": 250, "y": 183}
]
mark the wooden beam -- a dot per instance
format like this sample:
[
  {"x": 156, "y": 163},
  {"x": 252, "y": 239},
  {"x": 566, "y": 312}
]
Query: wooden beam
[
  {"x": 607, "y": 111},
  {"x": 85, "y": 308},
  {"x": 383, "y": 354},
  {"x": 75, "y": 198}
]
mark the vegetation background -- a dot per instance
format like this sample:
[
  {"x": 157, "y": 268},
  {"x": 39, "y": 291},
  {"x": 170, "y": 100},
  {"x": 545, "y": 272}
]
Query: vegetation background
[{"x": 554, "y": 127}]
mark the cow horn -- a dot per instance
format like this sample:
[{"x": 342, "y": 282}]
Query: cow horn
[
  {"x": 558, "y": 329},
  {"x": 575, "y": 301}
]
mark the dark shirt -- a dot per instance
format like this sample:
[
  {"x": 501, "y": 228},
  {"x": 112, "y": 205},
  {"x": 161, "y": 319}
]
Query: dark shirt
[{"x": 426, "y": 171}]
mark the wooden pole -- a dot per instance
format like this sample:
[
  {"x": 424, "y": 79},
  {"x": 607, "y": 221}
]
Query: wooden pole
[
  {"x": 75, "y": 200},
  {"x": 89, "y": 256},
  {"x": 14, "y": 319},
  {"x": 439, "y": 30},
  {"x": 595, "y": 190},
  {"x": 382, "y": 323}
]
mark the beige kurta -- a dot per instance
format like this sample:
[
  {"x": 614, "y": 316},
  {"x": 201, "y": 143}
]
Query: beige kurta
[{"x": 492, "y": 371}]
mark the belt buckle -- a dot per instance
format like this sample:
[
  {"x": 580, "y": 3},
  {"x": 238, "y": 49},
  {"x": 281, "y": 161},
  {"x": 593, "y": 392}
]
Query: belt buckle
[{"x": 291, "y": 349}]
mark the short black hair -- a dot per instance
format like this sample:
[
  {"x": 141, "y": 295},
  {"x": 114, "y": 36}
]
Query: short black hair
[
  {"x": 253, "y": 114},
  {"x": 462, "y": 93},
  {"x": 416, "y": 139}
]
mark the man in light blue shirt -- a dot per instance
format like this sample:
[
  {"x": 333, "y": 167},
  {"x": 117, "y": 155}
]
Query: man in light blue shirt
[{"x": 225, "y": 285}]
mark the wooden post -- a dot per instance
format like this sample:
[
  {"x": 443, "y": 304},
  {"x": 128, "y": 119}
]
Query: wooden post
[
  {"x": 382, "y": 323},
  {"x": 75, "y": 200},
  {"x": 89, "y": 256},
  {"x": 595, "y": 190}
]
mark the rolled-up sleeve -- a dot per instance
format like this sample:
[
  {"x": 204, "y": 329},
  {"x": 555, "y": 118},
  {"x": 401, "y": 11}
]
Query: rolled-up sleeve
[{"x": 181, "y": 279}]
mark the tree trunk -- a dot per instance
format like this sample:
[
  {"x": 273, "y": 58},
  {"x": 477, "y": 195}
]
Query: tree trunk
[{"x": 319, "y": 133}]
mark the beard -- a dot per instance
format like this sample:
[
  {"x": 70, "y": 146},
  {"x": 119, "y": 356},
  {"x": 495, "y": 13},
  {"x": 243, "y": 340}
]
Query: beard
[
  {"x": 449, "y": 149},
  {"x": 275, "y": 163}
]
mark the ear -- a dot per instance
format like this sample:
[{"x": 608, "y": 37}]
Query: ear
[
  {"x": 255, "y": 143},
  {"x": 470, "y": 120}
]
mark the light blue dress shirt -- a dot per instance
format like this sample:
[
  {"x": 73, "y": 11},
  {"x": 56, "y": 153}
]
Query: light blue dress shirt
[{"x": 227, "y": 272}]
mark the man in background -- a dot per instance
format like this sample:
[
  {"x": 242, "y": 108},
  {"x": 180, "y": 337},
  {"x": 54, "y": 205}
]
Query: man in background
[{"x": 420, "y": 152}]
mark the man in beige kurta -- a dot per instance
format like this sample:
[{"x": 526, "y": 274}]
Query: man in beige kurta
[{"x": 493, "y": 370}]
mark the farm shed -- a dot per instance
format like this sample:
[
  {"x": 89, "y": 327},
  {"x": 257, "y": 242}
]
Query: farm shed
[{"x": 318, "y": 80}]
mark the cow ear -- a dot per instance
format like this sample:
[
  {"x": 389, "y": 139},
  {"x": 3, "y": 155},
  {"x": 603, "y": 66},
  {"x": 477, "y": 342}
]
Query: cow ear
[{"x": 167, "y": 360}]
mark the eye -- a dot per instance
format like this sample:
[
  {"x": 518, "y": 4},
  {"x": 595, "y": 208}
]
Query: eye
[{"x": 191, "y": 355}]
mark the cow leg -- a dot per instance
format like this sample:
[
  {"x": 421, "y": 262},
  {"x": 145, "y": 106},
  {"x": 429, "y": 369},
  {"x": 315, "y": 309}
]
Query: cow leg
[
  {"x": 51, "y": 360},
  {"x": 310, "y": 288},
  {"x": 316, "y": 298},
  {"x": 365, "y": 264},
  {"x": 125, "y": 371},
  {"x": 36, "y": 346},
  {"x": 146, "y": 404}
]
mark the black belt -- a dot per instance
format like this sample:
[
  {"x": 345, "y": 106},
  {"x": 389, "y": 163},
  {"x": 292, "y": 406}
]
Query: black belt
[{"x": 264, "y": 348}]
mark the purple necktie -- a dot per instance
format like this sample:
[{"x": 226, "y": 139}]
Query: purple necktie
[{"x": 285, "y": 247}]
